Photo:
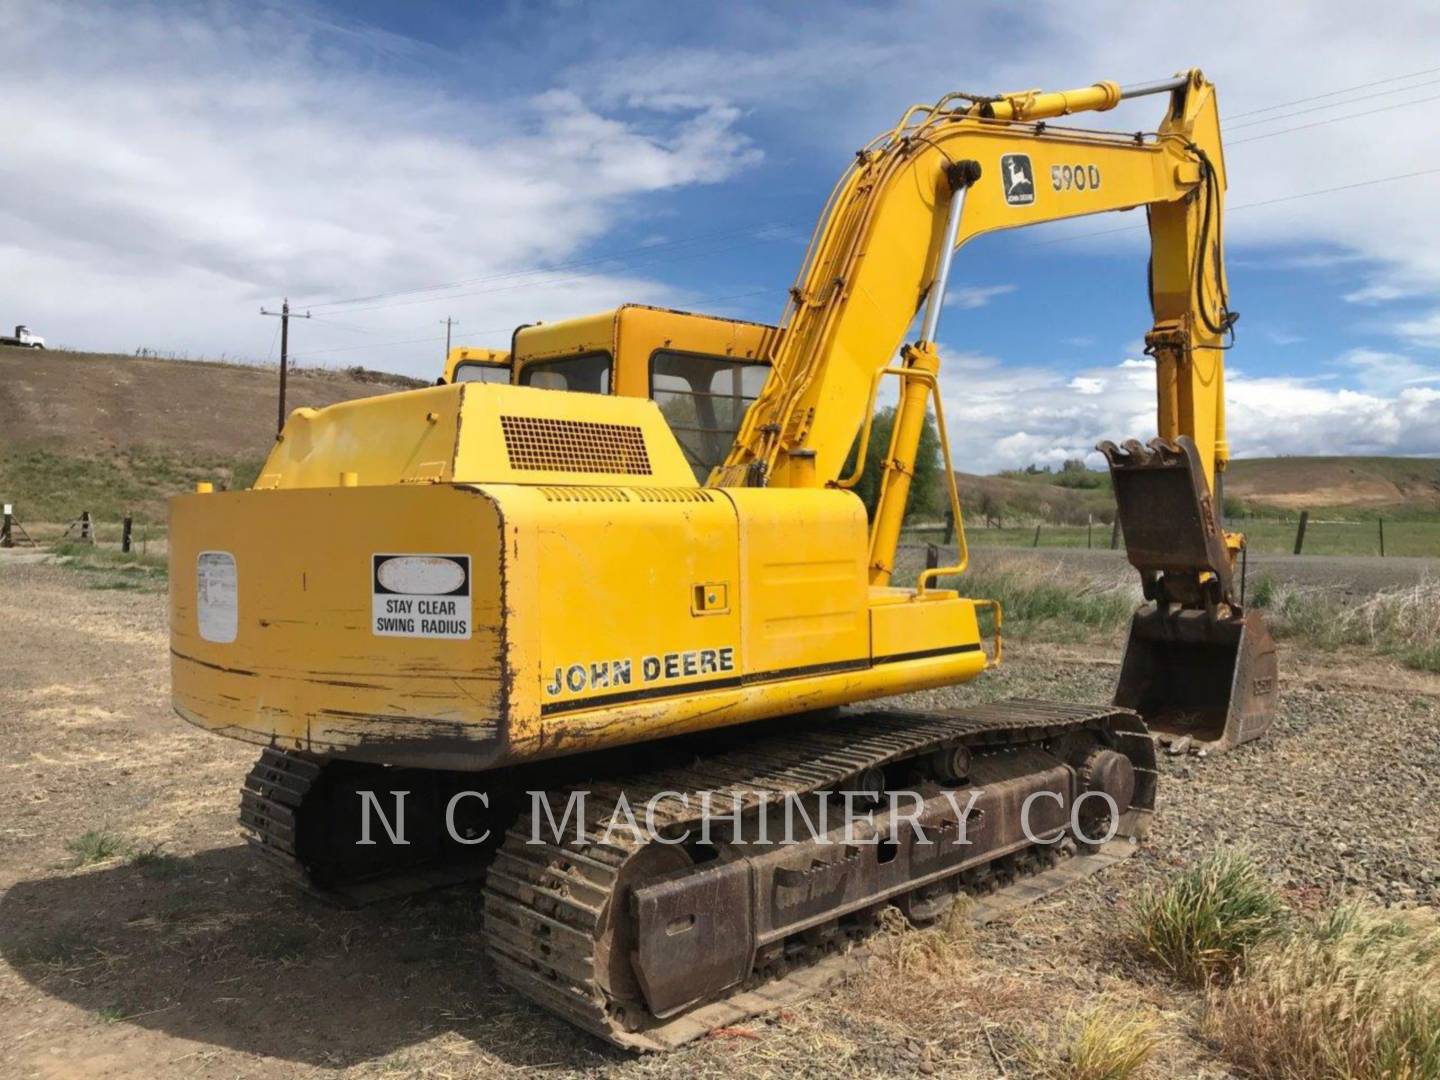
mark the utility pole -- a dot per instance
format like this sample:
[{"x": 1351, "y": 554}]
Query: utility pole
[
  {"x": 285, "y": 317},
  {"x": 449, "y": 322}
]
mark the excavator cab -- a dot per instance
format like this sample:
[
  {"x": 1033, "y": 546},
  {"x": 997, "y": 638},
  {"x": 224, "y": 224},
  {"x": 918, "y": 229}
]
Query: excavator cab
[
  {"x": 465, "y": 363},
  {"x": 1198, "y": 667}
]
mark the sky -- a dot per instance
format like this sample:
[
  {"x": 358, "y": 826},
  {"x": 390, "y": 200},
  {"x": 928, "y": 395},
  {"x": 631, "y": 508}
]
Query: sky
[{"x": 172, "y": 168}]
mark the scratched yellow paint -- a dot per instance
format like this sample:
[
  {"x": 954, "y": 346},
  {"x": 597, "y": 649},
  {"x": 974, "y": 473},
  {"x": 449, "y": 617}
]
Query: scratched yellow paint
[{"x": 610, "y": 598}]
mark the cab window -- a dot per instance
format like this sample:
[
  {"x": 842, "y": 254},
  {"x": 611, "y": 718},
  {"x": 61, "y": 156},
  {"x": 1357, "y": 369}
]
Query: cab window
[
  {"x": 470, "y": 371},
  {"x": 704, "y": 399},
  {"x": 588, "y": 373}
]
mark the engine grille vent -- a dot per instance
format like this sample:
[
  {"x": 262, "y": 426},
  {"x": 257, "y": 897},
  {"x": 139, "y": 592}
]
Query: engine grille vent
[
  {"x": 672, "y": 495},
  {"x": 544, "y": 444},
  {"x": 584, "y": 494}
]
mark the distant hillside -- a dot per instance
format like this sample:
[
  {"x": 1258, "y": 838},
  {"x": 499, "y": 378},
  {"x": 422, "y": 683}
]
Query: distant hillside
[
  {"x": 1390, "y": 484},
  {"x": 117, "y": 434},
  {"x": 1356, "y": 487}
]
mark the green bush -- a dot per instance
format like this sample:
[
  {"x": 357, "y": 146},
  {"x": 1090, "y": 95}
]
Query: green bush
[{"x": 1201, "y": 924}]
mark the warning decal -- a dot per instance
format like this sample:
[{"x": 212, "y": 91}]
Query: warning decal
[{"x": 425, "y": 596}]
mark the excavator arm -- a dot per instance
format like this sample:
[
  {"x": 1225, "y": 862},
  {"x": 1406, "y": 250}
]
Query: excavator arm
[{"x": 882, "y": 251}]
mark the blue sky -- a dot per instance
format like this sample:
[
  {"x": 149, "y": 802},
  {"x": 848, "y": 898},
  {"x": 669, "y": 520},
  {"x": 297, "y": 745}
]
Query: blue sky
[{"x": 184, "y": 164}]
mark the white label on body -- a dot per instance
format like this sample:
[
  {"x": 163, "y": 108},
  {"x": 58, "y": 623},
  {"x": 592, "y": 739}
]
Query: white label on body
[
  {"x": 217, "y": 596},
  {"x": 425, "y": 596}
]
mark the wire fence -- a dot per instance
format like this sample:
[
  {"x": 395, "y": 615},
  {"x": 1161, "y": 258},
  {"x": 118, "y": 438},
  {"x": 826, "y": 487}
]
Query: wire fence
[{"x": 1267, "y": 536}]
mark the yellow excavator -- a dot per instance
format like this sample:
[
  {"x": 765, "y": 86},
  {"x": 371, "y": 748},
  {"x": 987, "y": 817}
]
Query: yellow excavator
[{"x": 489, "y": 620}]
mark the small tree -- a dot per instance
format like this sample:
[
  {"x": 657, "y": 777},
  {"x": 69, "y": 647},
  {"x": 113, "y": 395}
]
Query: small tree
[
  {"x": 1074, "y": 474},
  {"x": 927, "y": 490}
]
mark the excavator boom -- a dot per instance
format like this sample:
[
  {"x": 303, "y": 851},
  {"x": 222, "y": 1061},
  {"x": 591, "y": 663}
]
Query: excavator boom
[{"x": 883, "y": 248}]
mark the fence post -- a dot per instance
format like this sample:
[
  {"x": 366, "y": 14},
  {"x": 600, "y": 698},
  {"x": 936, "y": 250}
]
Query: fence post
[
  {"x": 1300, "y": 532},
  {"x": 125, "y": 534},
  {"x": 1382, "y": 537},
  {"x": 1037, "y": 537},
  {"x": 932, "y": 556},
  {"x": 5, "y": 538},
  {"x": 949, "y": 527},
  {"x": 1089, "y": 529},
  {"x": 1115, "y": 533},
  {"x": 87, "y": 534}
]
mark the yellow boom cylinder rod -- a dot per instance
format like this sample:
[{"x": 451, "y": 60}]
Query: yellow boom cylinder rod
[{"x": 1041, "y": 105}]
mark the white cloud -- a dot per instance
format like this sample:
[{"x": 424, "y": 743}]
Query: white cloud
[
  {"x": 1376, "y": 293},
  {"x": 970, "y": 297},
  {"x": 182, "y": 166},
  {"x": 1422, "y": 331},
  {"x": 1004, "y": 416},
  {"x": 1380, "y": 372}
]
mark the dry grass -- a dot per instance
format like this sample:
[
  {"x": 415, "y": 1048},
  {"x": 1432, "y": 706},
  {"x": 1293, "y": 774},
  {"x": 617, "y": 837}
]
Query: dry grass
[
  {"x": 1105, "y": 1043},
  {"x": 933, "y": 951},
  {"x": 1201, "y": 923},
  {"x": 1403, "y": 622},
  {"x": 1047, "y": 602},
  {"x": 1353, "y": 995}
]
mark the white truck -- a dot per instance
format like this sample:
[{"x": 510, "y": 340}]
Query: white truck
[{"x": 24, "y": 338}]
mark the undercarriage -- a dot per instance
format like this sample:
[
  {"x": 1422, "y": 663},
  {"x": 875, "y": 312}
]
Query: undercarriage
[{"x": 728, "y": 874}]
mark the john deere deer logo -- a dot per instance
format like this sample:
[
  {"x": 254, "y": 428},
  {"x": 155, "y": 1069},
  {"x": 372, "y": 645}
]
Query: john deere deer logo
[{"x": 1019, "y": 178}]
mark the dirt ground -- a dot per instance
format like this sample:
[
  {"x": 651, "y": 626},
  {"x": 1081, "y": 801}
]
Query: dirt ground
[{"x": 180, "y": 956}]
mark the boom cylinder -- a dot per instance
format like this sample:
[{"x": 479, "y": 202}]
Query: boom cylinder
[{"x": 900, "y": 463}]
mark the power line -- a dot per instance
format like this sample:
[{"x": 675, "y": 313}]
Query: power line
[
  {"x": 1333, "y": 105},
  {"x": 1335, "y": 120},
  {"x": 698, "y": 302},
  {"x": 449, "y": 322},
  {"x": 284, "y": 315},
  {"x": 641, "y": 250},
  {"x": 553, "y": 283},
  {"x": 371, "y": 345},
  {"x": 1337, "y": 93},
  {"x": 1245, "y": 206}
]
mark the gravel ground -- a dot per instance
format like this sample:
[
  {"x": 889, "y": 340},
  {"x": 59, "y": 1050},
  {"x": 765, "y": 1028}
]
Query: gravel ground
[{"x": 201, "y": 964}]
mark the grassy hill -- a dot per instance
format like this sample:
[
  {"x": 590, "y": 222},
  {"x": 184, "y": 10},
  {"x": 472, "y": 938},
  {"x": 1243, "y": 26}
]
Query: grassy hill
[
  {"x": 118, "y": 434},
  {"x": 1350, "y": 487},
  {"x": 1356, "y": 488}
]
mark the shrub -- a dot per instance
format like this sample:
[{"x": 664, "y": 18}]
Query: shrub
[
  {"x": 1202, "y": 922},
  {"x": 94, "y": 846}
]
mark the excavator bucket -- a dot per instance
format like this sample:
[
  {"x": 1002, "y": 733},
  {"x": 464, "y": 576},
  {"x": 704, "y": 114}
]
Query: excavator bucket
[
  {"x": 1198, "y": 668},
  {"x": 1199, "y": 678}
]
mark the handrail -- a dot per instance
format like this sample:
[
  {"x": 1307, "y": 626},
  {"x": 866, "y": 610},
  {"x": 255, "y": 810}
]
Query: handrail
[{"x": 962, "y": 548}]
